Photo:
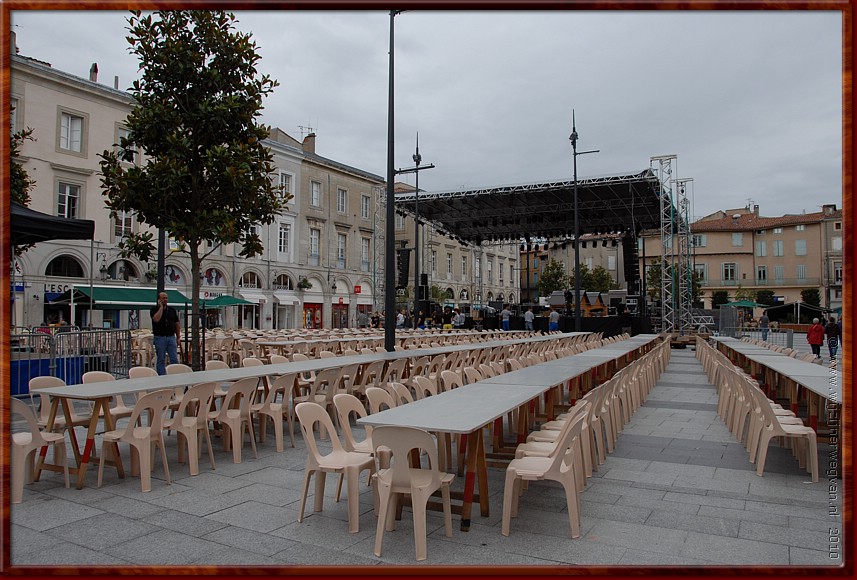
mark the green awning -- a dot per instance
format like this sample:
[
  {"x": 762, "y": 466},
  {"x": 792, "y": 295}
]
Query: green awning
[
  {"x": 120, "y": 297},
  {"x": 222, "y": 301},
  {"x": 745, "y": 304}
]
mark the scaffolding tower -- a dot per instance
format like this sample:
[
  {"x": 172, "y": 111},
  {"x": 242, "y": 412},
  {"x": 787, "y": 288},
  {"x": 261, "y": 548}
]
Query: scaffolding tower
[{"x": 676, "y": 280}]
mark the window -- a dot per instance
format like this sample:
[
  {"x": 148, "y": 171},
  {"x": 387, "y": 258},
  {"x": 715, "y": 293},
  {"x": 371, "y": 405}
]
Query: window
[
  {"x": 800, "y": 227},
  {"x": 778, "y": 230},
  {"x": 283, "y": 282},
  {"x": 315, "y": 193},
  {"x": 500, "y": 274},
  {"x": 837, "y": 225},
  {"x": 341, "y": 200},
  {"x": 341, "y": 244},
  {"x": 730, "y": 271},
  {"x": 250, "y": 280},
  {"x": 477, "y": 268},
  {"x": 511, "y": 275},
  {"x": 464, "y": 267},
  {"x": 71, "y": 132},
  {"x": 13, "y": 116},
  {"x": 761, "y": 249},
  {"x": 400, "y": 221},
  {"x": 837, "y": 272},
  {"x": 284, "y": 242},
  {"x": 800, "y": 272},
  {"x": 836, "y": 243},
  {"x": 761, "y": 273},
  {"x": 779, "y": 272},
  {"x": 777, "y": 248},
  {"x": 701, "y": 271},
  {"x": 285, "y": 184},
  {"x": 588, "y": 262},
  {"x": 365, "y": 256},
  {"x": 535, "y": 262},
  {"x": 449, "y": 266},
  {"x": 67, "y": 201},
  {"x": 611, "y": 263},
  {"x": 536, "y": 279},
  {"x": 364, "y": 207},
  {"x": 314, "y": 238},
  {"x": 699, "y": 240},
  {"x": 122, "y": 225},
  {"x": 800, "y": 247},
  {"x": 490, "y": 265},
  {"x": 64, "y": 266},
  {"x": 434, "y": 262},
  {"x": 737, "y": 239}
]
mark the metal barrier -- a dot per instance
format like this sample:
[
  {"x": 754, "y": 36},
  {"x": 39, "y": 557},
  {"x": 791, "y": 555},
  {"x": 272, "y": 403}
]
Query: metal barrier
[
  {"x": 779, "y": 337},
  {"x": 67, "y": 355}
]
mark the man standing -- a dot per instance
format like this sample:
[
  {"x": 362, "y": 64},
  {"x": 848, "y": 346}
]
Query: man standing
[
  {"x": 764, "y": 324},
  {"x": 505, "y": 315},
  {"x": 166, "y": 328},
  {"x": 553, "y": 320},
  {"x": 528, "y": 318}
]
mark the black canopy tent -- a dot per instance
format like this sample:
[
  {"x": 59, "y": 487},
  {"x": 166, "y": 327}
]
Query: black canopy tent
[
  {"x": 28, "y": 226},
  {"x": 780, "y": 310}
]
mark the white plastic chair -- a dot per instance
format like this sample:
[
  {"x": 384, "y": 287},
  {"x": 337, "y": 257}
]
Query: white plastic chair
[
  {"x": 24, "y": 446},
  {"x": 191, "y": 423}
]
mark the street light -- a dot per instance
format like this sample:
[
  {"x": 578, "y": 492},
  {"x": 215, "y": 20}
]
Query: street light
[
  {"x": 389, "y": 243},
  {"x": 573, "y": 139}
]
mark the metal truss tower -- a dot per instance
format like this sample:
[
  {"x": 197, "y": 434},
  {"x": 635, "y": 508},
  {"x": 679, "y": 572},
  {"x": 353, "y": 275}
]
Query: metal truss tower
[{"x": 676, "y": 280}]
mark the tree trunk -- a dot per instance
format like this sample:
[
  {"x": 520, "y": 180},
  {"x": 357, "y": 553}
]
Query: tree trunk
[{"x": 196, "y": 359}]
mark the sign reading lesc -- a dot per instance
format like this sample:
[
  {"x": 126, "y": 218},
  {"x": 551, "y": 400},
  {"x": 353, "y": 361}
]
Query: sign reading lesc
[{"x": 357, "y": 289}]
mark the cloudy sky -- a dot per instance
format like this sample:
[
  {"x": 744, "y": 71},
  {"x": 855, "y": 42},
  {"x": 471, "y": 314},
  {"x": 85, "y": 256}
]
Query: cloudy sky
[{"x": 750, "y": 102}]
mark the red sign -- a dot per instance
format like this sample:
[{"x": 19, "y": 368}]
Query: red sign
[
  {"x": 357, "y": 289},
  {"x": 340, "y": 300}
]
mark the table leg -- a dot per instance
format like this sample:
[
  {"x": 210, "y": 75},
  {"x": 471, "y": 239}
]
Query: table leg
[
  {"x": 482, "y": 476},
  {"x": 37, "y": 472},
  {"x": 469, "y": 477},
  {"x": 812, "y": 409}
]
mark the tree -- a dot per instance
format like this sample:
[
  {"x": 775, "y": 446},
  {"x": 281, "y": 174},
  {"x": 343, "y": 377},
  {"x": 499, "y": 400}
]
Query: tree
[
  {"x": 719, "y": 297},
  {"x": 20, "y": 182},
  {"x": 742, "y": 293},
  {"x": 207, "y": 176},
  {"x": 597, "y": 280},
  {"x": 553, "y": 277},
  {"x": 765, "y": 297},
  {"x": 810, "y": 296},
  {"x": 653, "y": 279}
]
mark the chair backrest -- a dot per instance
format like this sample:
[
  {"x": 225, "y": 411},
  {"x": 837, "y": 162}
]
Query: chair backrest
[
  {"x": 401, "y": 441},
  {"x": 395, "y": 370},
  {"x": 325, "y": 354},
  {"x": 277, "y": 359},
  {"x": 472, "y": 375},
  {"x": 487, "y": 371},
  {"x": 309, "y": 414},
  {"x": 200, "y": 394},
  {"x": 97, "y": 377},
  {"x": 379, "y": 399},
  {"x": 178, "y": 368},
  {"x": 251, "y": 361},
  {"x": 244, "y": 391},
  {"x": 23, "y": 410},
  {"x": 216, "y": 365},
  {"x": 45, "y": 382},
  {"x": 373, "y": 373},
  {"x": 153, "y": 405},
  {"x": 346, "y": 405},
  {"x": 450, "y": 380},
  {"x": 284, "y": 384},
  {"x": 141, "y": 372},
  {"x": 327, "y": 381},
  {"x": 424, "y": 387},
  {"x": 400, "y": 392}
]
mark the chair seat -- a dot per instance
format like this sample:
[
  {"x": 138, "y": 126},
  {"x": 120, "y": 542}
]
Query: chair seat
[
  {"x": 339, "y": 460},
  {"x": 531, "y": 467}
]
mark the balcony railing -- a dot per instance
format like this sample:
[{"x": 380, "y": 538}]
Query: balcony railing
[{"x": 764, "y": 283}]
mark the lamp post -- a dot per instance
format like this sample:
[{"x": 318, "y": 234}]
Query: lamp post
[
  {"x": 573, "y": 139},
  {"x": 389, "y": 242}
]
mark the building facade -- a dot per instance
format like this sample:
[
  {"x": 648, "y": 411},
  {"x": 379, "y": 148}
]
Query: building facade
[{"x": 740, "y": 249}]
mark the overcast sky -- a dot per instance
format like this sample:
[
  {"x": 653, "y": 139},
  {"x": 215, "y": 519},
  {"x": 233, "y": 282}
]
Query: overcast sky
[{"x": 750, "y": 102}]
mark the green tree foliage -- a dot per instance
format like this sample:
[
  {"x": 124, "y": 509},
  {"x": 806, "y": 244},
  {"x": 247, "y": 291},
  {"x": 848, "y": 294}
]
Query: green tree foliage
[
  {"x": 20, "y": 182},
  {"x": 553, "y": 277},
  {"x": 653, "y": 282},
  {"x": 719, "y": 297},
  {"x": 206, "y": 175},
  {"x": 810, "y": 296},
  {"x": 765, "y": 297},
  {"x": 742, "y": 293},
  {"x": 597, "y": 280}
]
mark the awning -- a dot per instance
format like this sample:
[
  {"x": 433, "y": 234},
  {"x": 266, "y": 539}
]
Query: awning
[
  {"x": 30, "y": 226},
  {"x": 223, "y": 301},
  {"x": 120, "y": 297},
  {"x": 254, "y": 297},
  {"x": 286, "y": 298}
]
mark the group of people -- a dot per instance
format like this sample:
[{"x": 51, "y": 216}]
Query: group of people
[{"x": 817, "y": 333}]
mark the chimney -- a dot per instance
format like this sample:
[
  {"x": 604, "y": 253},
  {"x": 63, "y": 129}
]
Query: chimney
[
  {"x": 756, "y": 210},
  {"x": 308, "y": 144},
  {"x": 116, "y": 82},
  {"x": 829, "y": 208},
  {"x": 14, "y": 39},
  {"x": 93, "y": 72}
]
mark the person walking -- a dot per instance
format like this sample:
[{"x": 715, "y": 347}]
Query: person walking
[
  {"x": 505, "y": 315},
  {"x": 553, "y": 320},
  {"x": 166, "y": 328},
  {"x": 528, "y": 318},
  {"x": 815, "y": 337},
  {"x": 831, "y": 330},
  {"x": 764, "y": 324}
]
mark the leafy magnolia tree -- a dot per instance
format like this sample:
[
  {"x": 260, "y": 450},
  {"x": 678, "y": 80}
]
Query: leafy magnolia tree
[
  {"x": 20, "y": 182},
  {"x": 719, "y": 297},
  {"x": 552, "y": 277},
  {"x": 597, "y": 280},
  {"x": 810, "y": 296},
  {"x": 206, "y": 174},
  {"x": 742, "y": 293},
  {"x": 653, "y": 282},
  {"x": 765, "y": 297}
]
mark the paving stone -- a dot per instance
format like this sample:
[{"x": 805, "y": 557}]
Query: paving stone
[
  {"x": 733, "y": 551},
  {"x": 743, "y": 515},
  {"x": 165, "y": 547},
  {"x": 704, "y": 500},
  {"x": 782, "y": 535},
  {"x": 68, "y": 554},
  {"x": 255, "y": 516},
  {"x": 675, "y": 520},
  {"x": 638, "y": 537},
  {"x": 250, "y": 541},
  {"x": 804, "y": 557},
  {"x": 43, "y": 512}
]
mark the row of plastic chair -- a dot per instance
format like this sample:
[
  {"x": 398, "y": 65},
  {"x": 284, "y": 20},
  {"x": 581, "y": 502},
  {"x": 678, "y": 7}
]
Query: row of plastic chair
[
  {"x": 792, "y": 352},
  {"x": 752, "y": 418}
]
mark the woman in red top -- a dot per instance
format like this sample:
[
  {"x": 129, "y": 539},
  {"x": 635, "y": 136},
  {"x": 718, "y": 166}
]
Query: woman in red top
[{"x": 815, "y": 337}]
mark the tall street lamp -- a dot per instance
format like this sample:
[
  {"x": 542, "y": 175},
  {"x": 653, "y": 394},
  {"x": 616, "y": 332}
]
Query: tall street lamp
[
  {"x": 573, "y": 139},
  {"x": 389, "y": 242}
]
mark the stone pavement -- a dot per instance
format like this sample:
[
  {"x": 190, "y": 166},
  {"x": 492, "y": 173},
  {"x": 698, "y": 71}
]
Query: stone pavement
[{"x": 679, "y": 490}]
